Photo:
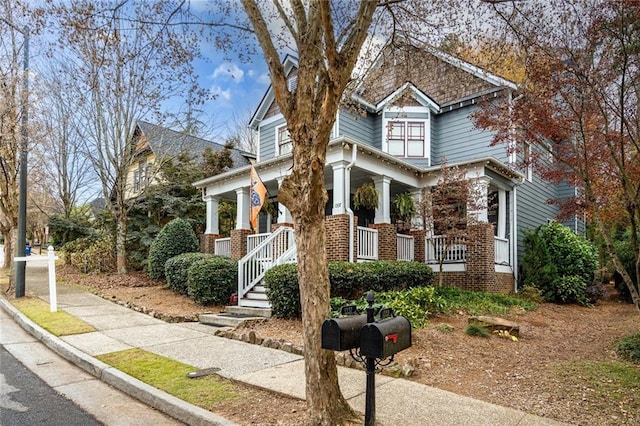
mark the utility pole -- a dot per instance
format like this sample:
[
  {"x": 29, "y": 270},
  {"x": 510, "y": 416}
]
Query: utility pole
[{"x": 22, "y": 195}]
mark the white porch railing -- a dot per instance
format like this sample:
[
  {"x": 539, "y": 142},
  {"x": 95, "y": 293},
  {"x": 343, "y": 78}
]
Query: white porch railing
[
  {"x": 449, "y": 251},
  {"x": 223, "y": 247},
  {"x": 367, "y": 243},
  {"x": 261, "y": 258},
  {"x": 501, "y": 250},
  {"x": 405, "y": 245},
  {"x": 254, "y": 240}
]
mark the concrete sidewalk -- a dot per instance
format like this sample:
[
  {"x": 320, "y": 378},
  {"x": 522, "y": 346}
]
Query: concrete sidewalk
[{"x": 398, "y": 401}]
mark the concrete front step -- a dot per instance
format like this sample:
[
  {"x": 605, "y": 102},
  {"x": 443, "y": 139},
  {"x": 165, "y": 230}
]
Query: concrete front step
[{"x": 249, "y": 311}]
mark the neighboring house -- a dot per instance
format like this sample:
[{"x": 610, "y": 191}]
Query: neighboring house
[
  {"x": 154, "y": 142},
  {"x": 414, "y": 109}
]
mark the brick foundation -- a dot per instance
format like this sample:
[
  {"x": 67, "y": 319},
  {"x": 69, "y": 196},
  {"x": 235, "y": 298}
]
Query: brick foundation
[{"x": 481, "y": 273}]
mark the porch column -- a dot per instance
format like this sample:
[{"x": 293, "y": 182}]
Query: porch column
[
  {"x": 284, "y": 216},
  {"x": 242, "y": 216},
  {"x": 502, "y": 213},
  {"x": 383, "y": 212},
  {"x": 212, "y": 215},
  {"x": 481, "y": 186},
  {"x": 340, "y": 202}
]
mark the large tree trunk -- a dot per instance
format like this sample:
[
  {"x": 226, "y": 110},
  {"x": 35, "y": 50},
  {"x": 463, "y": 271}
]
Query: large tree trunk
[
  {"x": 328, "y": 407},
  {"x": 303, "y": 192},
  {"x": 8, "y": 247}
]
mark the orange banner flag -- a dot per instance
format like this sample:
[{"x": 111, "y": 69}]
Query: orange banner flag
[{"x": 257, "y": 195}]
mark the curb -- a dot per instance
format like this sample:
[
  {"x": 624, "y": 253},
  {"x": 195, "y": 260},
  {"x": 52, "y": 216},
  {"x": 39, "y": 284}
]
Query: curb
[{"x": 153, "y": 397}]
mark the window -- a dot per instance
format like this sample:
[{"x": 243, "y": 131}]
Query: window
[
  {"x": 284, "y": 141},
  {"x": 140, "y": 176},
  {"x": 406, "y": 138}
]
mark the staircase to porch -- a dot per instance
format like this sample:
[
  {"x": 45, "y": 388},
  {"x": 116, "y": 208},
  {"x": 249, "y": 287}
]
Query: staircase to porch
[{"x": 276, "y": 249}]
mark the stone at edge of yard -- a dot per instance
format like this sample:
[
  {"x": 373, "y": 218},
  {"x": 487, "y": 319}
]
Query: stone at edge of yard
[{"x": 494, "y": 323}]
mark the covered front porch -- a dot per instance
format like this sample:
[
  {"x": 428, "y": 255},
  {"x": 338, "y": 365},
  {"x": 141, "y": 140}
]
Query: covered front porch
[{"x": 357, "y": 235}]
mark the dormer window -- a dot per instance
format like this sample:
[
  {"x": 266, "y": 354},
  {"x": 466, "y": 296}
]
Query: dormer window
[
  {"x": 406, "y": 138},
  {"x": 407, "y": 133}
]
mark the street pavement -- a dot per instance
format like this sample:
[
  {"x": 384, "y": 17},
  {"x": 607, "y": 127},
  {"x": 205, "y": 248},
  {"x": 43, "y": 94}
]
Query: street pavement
[{"x": 398, "y": 401}]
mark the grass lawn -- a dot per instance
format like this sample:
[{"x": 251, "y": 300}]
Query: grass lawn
[{"x": 57, "y": 323}]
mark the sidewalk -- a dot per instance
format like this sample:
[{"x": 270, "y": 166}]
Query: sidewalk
[{"x": 398, "y": 401}]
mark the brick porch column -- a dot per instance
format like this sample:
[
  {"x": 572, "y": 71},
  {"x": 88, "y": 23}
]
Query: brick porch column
[
  {"x": 387, "y": 241},
  {"x": 208, "y": 242},
  {"x": 337, "y": 231},
  {"x": 419, "y": 237},
  {"x": 481, "y": 275},
  {"x": 239, "y": 242}
]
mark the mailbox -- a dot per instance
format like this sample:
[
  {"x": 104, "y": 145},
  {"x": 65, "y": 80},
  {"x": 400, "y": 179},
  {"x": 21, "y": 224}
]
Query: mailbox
[
  {"x": 385, "y": 338},
  {"x": 341, "y": 334}
]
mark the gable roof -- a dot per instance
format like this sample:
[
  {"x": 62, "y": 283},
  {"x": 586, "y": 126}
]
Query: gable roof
[
  {"x": 441, "y": 77},
  {"x": 164, "y": 142}
]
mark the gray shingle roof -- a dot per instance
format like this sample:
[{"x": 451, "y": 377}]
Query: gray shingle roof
[{"x": 165, "y": 142}]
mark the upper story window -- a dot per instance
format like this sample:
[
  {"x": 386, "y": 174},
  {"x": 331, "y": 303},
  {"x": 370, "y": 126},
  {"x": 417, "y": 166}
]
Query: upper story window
[
  {"x": 406, "y": 138},
  {"x": 407, "y": 132},
  {"x": 140, "y": 176},
  {"x": 285, "y": 143}
]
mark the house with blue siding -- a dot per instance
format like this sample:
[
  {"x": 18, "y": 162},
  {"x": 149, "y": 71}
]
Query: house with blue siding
[{"x": 409, "y": 114}]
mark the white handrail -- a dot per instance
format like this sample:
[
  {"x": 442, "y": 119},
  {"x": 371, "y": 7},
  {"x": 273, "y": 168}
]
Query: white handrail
[
  {"x": 222, "y": 247},
  {"x": 501, "y": 250},
  {"x": 439, "y": 247},
  {"x": 253, "y": 266}
]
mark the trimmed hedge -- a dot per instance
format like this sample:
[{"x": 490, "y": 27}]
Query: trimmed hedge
[
  {"x": 348, "y": 280},
  {"x": 176, "y": 270},
  {"x": 175, "y": 238},
  {"x": 212, "y": 280}
]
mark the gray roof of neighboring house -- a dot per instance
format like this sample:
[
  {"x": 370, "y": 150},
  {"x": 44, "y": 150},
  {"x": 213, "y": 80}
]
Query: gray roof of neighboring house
[{"x": 164, "y": 142}]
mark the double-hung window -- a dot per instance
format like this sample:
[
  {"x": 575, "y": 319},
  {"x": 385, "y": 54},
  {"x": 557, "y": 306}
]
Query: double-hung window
[
  {"x": 406, "y": 138},
  {"x": 406, "y": 132},
  {"x": 284, "y": 141}
]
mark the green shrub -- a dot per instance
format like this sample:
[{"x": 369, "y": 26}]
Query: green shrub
[
  {"x": 175, "y": 238},
  {"x": 477, "y": 330},
  {"x": 351, "y": 280},
  {"x": 283, "y": 291},
  {"x": 176, "y": 270},
  {"x": 347, "y": 280},
  {"x": 212, "y": 280},
  {"x": 628, "y": 348},
  {"x": 570, "y": 289},
  {"x": 554, "y": 252}
]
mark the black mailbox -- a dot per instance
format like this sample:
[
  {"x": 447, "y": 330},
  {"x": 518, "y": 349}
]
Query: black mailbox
[
  {"x": 341, "y": 334},
  {"x": 385, "y": 338}
]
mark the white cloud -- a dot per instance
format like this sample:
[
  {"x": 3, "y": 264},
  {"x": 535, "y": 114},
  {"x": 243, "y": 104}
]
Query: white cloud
[
  {"x": 229, "y": 71},
  {"x": 221, "y": 93}
]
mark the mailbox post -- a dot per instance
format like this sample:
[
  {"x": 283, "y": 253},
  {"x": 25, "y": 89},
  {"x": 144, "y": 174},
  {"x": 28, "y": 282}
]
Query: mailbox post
[
  {"x": 370, "y": 395},
  {"x": 368, "y": 341}
]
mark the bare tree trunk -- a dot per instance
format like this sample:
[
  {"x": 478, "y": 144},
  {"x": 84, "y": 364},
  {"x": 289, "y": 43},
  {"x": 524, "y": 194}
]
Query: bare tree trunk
[{"x": 121, "y": 239}]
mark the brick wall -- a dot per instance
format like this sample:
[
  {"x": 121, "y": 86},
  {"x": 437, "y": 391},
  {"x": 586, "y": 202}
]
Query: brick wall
[
  {"x": 338, "y": 237},
  {"x": 239, "y": 242},
  {"x": 387, "y": 241},
  {"x": 208, "y": 242},
  {"x": 505, "y": 283}
]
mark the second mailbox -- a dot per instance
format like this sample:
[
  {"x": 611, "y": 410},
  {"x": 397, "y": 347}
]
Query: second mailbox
[
  {"x": 385, "y": 338},
  {"x": 341, "y": 334}
]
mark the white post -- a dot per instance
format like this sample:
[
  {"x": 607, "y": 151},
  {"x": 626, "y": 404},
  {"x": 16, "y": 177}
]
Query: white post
[
  {"x": 53, "y": 299},
  {"x": 383, "y": 212}
]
